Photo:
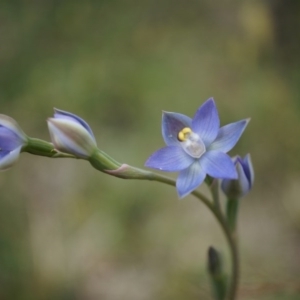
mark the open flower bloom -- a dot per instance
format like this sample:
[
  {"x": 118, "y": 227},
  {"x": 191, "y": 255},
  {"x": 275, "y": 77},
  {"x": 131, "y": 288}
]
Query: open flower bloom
[
  {"x": 12, "y": 139},
  {"x": 196, "y": 147},
  {"x": 238, "y": 188},
  {"x": 71, "y": 134}
]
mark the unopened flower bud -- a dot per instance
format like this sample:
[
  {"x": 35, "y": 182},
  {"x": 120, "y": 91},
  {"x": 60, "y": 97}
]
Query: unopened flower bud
[
  {"x": 217, "y": 276},
  {"x": 237, "y": 188},
  {"x": 71, "y": 134}
]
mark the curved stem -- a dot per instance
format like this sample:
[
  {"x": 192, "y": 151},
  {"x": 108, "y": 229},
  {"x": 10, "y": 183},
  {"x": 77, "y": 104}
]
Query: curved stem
[
  {"x": 129, "y": 172},
  {"x": 214, "y": 187},
  {"x": 104, "y": 163},
  {"x": 229, "y": 237},
  {"x": 231, "y": 212},
  {"x": 234, "y": 254}
]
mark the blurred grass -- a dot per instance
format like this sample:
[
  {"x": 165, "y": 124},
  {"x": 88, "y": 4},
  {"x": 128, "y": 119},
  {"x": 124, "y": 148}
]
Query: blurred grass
[{"x": 68, "y": 232}]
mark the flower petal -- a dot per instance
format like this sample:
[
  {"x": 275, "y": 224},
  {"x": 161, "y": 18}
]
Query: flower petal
[
  {"x": 7, "y": 159},
  {"x": 61, "y": 114},
  {"x": 9, "y": 140},
  {"x": 189, "y": 179},
  {"x": 172, "y": 123},
  {"x": 11, "y": 124},
  {"x": 242, "y": 178},
  {"x": 206, "y": 122},
  {"x": 248, "y": 168},
  {"x": 218, "y": 165},
  {"x": 228, "y": 136},
  {"x": 170, "y": 159},
  {"x": 70, "y": 137}
]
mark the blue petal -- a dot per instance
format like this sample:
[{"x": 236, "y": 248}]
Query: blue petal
[
  {"x": 60, "y": 114},
  {"x": 242, "y": 179},
  {"x": 189, "y": 179},
  {"x": 7, "y": 159},
  {"x": 10, "y": 124},
  {"x": 206, "y": 122},
  {"x": 228, "y": 136},
  {"x": 9, "y": 140},
  {"x": 172, "y": 123},
  {"x": 248, "y": 169},
  {"x": 218, "y": 165},
  {"x": 170, "y": 159}
]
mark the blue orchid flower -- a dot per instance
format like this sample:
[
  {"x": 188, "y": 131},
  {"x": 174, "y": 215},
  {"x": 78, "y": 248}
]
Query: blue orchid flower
[
  {"x": 71, "y": 134},
  {"x": 196, "y": 147},
  {"x": 12, "y": 139},
  {"x": 238, "y": 188}
]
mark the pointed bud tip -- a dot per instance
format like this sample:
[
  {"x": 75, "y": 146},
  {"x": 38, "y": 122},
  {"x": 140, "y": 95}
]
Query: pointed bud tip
[{"x": 211, "y": 99}]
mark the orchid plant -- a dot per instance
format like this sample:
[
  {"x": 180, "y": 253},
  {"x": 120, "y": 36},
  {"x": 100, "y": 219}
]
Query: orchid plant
[{"x": 196, "y": 148}]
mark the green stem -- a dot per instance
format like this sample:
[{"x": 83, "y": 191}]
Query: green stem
[
  {"x": 105, "y": 163},
  {"x": 102, "y": 161},
  {"x": 214, "y": 187},
  {"x": 43, "y": 148},
  {"x": 219, "y": 216},
  {"x": 232, "y": 212}
]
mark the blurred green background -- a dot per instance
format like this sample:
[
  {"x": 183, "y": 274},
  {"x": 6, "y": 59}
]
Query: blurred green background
[{"x": 70, "y": 232}]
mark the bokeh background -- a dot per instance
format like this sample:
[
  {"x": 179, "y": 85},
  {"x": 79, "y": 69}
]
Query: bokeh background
[{"x": 70, "y": 232}]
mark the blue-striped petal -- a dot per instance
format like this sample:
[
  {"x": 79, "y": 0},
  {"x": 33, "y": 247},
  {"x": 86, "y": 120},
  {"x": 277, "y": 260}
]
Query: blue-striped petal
[
  {"x": 242, "y": 178},
  {"x": 248, "y": 168},
  {"x": 228, "y": 136},
  {"x": 13, "y": 126},
  {"x": 218, "y": 165},
  {"x": 9, "y": 140},
  {"x": 170, "y": 159},
  {"x": 189, "y": 179},
  {"x": 61, "y": 114},
  {"x": 206, "y": 122},
  {"x": 7, "y": 159},
  {"x": 172, "y": 123},
  {"x": 71, "y": 137}
]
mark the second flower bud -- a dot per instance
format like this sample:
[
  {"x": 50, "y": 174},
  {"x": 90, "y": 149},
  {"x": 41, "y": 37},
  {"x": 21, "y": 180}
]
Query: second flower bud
[{"x": 71, "y": 134}]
